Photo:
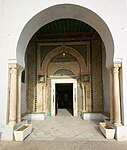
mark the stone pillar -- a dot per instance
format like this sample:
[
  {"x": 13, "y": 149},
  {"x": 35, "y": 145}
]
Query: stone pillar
[
  {"x": 20, "y": 69},
  {"x": 84, "y": 98},
  {"x": 13, "y": 94},
  {"x": 39, "y": 97},
  {"x": 111, "y": 94},
  {"x": 88, "y": 97},
  {"x": 116, "y": 96},
  {"x": 44, "y": 99}
]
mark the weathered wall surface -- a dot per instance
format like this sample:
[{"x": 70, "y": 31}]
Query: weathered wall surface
[
  {"x": 97, "y": 88},
  {"x": 31, "y": 77},
  {"x": 23, "y": 99}
]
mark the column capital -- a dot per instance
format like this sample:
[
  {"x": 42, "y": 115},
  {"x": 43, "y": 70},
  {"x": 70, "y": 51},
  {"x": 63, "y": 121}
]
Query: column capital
[
  {"x": 15, "y": 65},
  {"x": 15, "y": 68},
  {"x": 82, "y": 85},
  {"x": 117, "y": 65},
  {"x": 110, "y": 68},
  {"x": 116, "y": 68}
]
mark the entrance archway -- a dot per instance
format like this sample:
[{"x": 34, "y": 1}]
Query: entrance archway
[
  {"x": 65, "y": 11},
  {"x": 71, "y": 11}
]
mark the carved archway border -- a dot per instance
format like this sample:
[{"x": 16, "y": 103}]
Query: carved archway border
[{"x": 69, "y": 50}]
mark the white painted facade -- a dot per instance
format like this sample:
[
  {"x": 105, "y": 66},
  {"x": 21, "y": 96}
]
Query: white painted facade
[{"x": 19, "y": 20}]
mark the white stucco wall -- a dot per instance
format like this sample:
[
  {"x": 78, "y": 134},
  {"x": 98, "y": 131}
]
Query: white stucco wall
[
  {"x": 16, "y": 14},
  {"x": 66, "y": 11},
  {"x": 16, "y": 21}
]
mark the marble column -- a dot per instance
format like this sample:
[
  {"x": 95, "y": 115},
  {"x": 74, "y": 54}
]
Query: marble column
[
  {"x": 84, "y": 98},
  {"x": 20, "y": 69},
  {"x": 44, "y": 99},
  {"x": 39, "y": 97},
  {"x": 116, "y": 96},
  {"x": 88, "y": 97},
  {"x": 13, "y": 94},
  {"x": 111, "y": 94}
]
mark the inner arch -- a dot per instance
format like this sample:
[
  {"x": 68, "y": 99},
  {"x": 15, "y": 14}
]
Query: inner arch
[{"x": 53, "y": 47}]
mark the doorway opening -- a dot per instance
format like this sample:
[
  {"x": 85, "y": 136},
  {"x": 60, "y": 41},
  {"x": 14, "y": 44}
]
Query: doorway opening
[{"x": 64, "y": 99}]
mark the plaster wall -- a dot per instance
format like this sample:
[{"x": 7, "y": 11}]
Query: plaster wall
[
  {"x": 124, "y": 91},
  {"x": 15, "y": 23},
  {"x": 4, "y": 90},
  {"x": 106, "y": 85}
]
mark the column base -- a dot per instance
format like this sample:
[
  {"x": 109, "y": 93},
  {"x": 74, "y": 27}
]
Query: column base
[
  {"x": 83, "y": 111},
  {"x": 12, "y": 122},
  {"x": 117, "y": 124},
  {"x": 91, "y": 116},
  {"x": 121, "y": 133},
  {"x": 34, "y": 116}
]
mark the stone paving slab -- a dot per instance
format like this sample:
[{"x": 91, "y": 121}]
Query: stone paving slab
[
  {"x": 64, "y": 133},
  {"x": 67, "y": 128}
]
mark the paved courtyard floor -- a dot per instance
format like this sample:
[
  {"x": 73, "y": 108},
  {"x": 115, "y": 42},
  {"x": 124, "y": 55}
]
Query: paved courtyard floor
[
  {"x": 66, "y": 127},
  {"x": 64, "y": 132}
]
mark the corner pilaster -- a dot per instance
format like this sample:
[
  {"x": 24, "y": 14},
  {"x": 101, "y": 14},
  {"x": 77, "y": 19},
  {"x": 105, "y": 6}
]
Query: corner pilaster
[
  {"x": 116, "y": 95},
  {"x": 15, "y": 71}
]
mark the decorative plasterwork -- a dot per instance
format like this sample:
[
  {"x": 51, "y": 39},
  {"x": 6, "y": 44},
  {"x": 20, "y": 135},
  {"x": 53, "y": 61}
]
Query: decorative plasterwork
[
  {"x": 63, "y": 72},
  {"x": 59, "y": 50}
]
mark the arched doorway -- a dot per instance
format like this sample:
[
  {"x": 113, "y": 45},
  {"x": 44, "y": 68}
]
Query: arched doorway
[{"x": 80, "y": 17}]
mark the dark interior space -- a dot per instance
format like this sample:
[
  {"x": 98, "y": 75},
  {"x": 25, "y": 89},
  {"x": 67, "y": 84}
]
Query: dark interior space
[{"x": 64, "y": 97}]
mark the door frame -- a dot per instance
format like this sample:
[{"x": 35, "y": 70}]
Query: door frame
[{"x": 53, "y": 94}]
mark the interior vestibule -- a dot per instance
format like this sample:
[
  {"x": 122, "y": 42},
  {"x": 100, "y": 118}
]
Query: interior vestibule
[{"x": 64, "y": 53}]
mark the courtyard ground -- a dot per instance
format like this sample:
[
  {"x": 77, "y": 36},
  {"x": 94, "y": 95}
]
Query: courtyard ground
[
  {"x": 63, "y": 145},
  {"x": 65, "y": 132}
]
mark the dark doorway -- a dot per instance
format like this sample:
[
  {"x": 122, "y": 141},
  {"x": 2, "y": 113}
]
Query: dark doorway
[{"x": 64, "y": 97}]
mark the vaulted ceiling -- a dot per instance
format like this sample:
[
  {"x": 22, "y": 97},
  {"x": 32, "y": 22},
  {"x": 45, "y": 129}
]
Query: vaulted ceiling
[{"x": 65, "y": 30}]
